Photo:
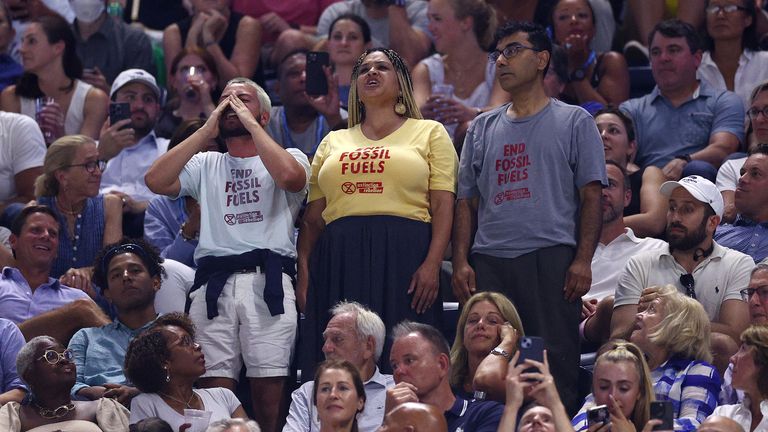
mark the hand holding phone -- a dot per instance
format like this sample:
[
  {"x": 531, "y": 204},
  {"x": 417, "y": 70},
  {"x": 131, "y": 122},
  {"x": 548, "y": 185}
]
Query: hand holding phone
[
  {"x": 598, "y": 414},
  {"x": 662, "y": 410}
]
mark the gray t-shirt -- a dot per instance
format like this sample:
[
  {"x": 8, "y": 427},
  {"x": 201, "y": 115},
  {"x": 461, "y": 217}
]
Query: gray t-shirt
[
  {"x": 415, "y": 9},
  {"x": 527, "y": 173},
  {"x": 306, "y": 141}
]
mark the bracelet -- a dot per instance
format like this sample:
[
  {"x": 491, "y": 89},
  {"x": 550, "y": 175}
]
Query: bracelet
[
  {"x": 194, "y": 236},
  {"x": 686, "y": 157}
]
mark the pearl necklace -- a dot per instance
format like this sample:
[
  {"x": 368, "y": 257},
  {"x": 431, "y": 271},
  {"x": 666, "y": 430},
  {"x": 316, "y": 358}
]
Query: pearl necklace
[{"x": 55, "y": 413}]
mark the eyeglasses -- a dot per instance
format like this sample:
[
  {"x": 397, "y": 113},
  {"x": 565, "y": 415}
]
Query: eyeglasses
[
  {"x": 754, "y": 112},
  {"x": 90, "y": 166},
  {"x": 762, "y": 294},
  {"x": 53, "y": 357},
  {"x": 509, "y": 51},
  {"x": 715, "y": 9},
  {"x": 687, "y": 281}
]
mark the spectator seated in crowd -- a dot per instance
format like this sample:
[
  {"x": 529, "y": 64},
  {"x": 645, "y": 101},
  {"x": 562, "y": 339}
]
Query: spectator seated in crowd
[
  {"x": 747, "y": 234},
  {"x": 596, "y": 78},
  {"x": 10, "y": 69},
  {"x": 487, "y": 335},
  {"x": 750, "y": 375},
  {"x": 672, "y": 330},
  {"x": 194, "y": 81},
  {"x": 87, "y": 221},
  {"x": 399, "y": 25},
  {"x": 683, "y": 126},
  {"x": 617, "y": 245},
  {"x": 12, "y": 388},
  {"x": 233, "y": 425},
  {"x": 164, "y": 362},
  {"x": 354, "y": 334},
  {"x": 421, "y": 365},
  {"x": 348, "y": 37},
  {"x": 730, "y": 171},
  {"x": 694, "y": 263},
  {"x": 647, "y": 208},
  {"x": 414, "y": 417},
  {"x": 130, "y": 146},
  {"x": 51, "y": 90},
  {"x": 47, "y": 369},
  {"x": 457, "y": 84},
  {"x": 129, "y": 273},
  {"x": 173, "y": 224},
  {"x": 108, "y": 46},
  {"x": 621, "y": 381},
  {"x": 303, "y": 120},
  {"x": 233, "y": 40},
  {"x": 718, "y": 423},
  {"x": 27, "y": 291},
  {"x": 21, "y": 161},
  {"x": 338, "y": 395},
  {"x": 733, "y": 60}
]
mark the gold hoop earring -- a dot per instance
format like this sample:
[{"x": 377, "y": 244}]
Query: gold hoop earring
[{"x": 400, "y": 107}]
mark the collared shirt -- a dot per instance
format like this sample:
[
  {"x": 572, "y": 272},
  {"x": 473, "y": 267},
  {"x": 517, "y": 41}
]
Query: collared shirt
[
  {"x": 19, "y": 303},
  {"x": 750, "y": 72},
  {"x": 162, "y": 228},
  {"x": 115, "y": 47},
  {"x": 609, "y": 260},
  {"x": 728, "y": 394},
  {"x": 745, "y": 236},
  {"x": 11, "y": 341},
  {"x": 302, "y": 416},
  {"x": 718, "y": 277},
  {"x": 474, "y": 416},
  {"x": 100, "y": 353},
  {"x": 664, "y": 131},
  {"x": 125, "y": 172},
  {"x": 741, "y": 414},
  {"x": 692, "y": 387}
]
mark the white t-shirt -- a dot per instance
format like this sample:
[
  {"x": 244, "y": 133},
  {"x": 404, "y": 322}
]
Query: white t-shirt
[
  {"x": 609, "y": 260},
  {"x": 172, "y": 295},
  {"x": 729, "y": 173},
  {"x": 740, "y": 414},
  {"x": 21, "y": 147},
  {"x": 219, "y": 401},
  {"x": 241, "y": 208}
]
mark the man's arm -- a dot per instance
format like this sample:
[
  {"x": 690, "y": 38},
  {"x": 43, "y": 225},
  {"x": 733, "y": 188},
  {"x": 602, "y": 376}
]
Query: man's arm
[
  {"x": 732, "y": 319},
  {"x": 622, "y": 320},
  {"x": 63, "y": 322},
  {"x": 411, "y": 43},
  {"x": 464, "y": 228},
  {"x": 299, "y": 414},
  {"x": 721, "y": 144},
  {"x": 578, "y": 279}
]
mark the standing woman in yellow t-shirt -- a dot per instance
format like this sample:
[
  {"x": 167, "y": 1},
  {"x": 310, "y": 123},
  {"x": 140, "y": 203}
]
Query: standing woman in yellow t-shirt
[{"x": 380, "y": 205}]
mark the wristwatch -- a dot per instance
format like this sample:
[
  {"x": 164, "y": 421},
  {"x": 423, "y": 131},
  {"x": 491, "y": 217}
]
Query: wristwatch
[
  {"x": 578, "y": 74},
  {"x": 500, "y": 352},
  {"x": 686, "y": 157}
]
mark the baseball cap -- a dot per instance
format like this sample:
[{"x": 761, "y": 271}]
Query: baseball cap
[
  {"x": 134, "y": 75},
  {"x": 701, "y": 189}
]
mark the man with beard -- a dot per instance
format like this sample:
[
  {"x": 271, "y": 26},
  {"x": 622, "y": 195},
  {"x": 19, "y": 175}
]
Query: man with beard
[
  {"x": 618, "y": 244},
  {"x": 130, "y": 145},
  {"x": 242, "y": 300},
  {"x": 694, "y": 263},
  {"x": 130, "y": 273},
  {"x": 298, "y": 124}
]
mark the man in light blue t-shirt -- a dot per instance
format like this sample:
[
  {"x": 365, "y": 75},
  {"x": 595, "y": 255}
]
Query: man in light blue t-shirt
[{"x": 530, "y": 181}]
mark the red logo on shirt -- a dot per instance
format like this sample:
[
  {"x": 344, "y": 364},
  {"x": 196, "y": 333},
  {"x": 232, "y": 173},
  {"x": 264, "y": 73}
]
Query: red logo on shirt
[
  {"x": 348, "y": 188},
  {"x": 229, "y": 218}
]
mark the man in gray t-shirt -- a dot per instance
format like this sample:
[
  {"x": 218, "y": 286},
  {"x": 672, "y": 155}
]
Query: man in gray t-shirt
[
  {"x": 530, "y": 182},
  {"x": 401, "y": 25}
]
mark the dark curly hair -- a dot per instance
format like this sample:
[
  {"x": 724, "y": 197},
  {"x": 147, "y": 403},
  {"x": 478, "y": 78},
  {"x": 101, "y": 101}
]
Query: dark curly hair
[
  {"x": 148, "y": 352},
  {"x": 149, "y": 256}
]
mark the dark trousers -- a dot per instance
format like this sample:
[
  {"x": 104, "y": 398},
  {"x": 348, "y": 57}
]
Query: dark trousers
[{"x": 534, "y": 283}]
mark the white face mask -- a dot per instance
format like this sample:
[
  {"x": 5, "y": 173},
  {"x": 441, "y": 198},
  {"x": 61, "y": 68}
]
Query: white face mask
[{"x": 87, "y": 11}]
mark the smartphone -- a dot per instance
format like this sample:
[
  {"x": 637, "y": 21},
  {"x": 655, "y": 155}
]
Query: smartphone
[
  {"x": 316, "y": 83},
  {"x": 531, "y": 347},
  {"x": 598, "y": 414},
  {"x": 119, "y": 111},
  {"x": 662, "y": 410}
]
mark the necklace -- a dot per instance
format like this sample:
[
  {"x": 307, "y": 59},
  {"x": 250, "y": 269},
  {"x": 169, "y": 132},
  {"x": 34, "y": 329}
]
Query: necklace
[
  {"x": 187, "y": 404},
  {"x": 55, "y": 413},
  {"x": 70, "y": 212}
]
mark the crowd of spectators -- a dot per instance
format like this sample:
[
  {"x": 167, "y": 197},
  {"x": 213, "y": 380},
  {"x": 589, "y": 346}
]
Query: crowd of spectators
[{"x": 237, "y": 215}]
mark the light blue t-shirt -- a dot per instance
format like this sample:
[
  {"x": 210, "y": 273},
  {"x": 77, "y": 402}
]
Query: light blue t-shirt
[
  {"x": 663, "y": 131},
  {"x": 527, "y": 173}
]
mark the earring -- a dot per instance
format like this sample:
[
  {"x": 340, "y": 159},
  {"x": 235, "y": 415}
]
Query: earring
[
  {"x": 400, "y": 106},
  {"x": 167, "y": 375}
]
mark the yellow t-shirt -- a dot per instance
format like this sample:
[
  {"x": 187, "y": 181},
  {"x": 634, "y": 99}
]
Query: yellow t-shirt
[{"x": 392, "y": 176}]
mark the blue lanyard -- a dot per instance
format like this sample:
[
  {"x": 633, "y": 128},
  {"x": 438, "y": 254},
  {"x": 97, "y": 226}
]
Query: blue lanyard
[
  {"x": 288, "y": 140},
  {"x": 590, "y": 60}
]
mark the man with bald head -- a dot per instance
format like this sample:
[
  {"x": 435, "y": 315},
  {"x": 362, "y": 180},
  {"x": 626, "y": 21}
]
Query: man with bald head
[
  {"x": 719, "y": 424},
  {"x": 414, "y": 417}
]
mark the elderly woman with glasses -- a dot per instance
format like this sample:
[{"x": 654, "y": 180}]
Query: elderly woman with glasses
[
  {"x": 47, "y": 369},
  {"x": 88, "y": 221}
]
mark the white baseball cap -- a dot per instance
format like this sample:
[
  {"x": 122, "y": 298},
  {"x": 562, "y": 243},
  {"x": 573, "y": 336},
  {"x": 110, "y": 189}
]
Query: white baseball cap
[
  {"x": 134, "y": 75},
  {"x": 701, "y": 189}
]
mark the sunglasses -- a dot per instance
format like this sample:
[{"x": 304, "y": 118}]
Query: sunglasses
[
  {"x": 53, "y": 357},
  {"x": 687, "y": 281}
]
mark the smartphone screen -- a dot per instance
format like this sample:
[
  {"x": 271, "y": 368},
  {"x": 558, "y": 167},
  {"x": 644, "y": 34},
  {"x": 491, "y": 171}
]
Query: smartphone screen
[
  {"x": 317, "y": 84},
  {"x": 598, "y": 414},
  {"x": 662, "y": 410}
]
